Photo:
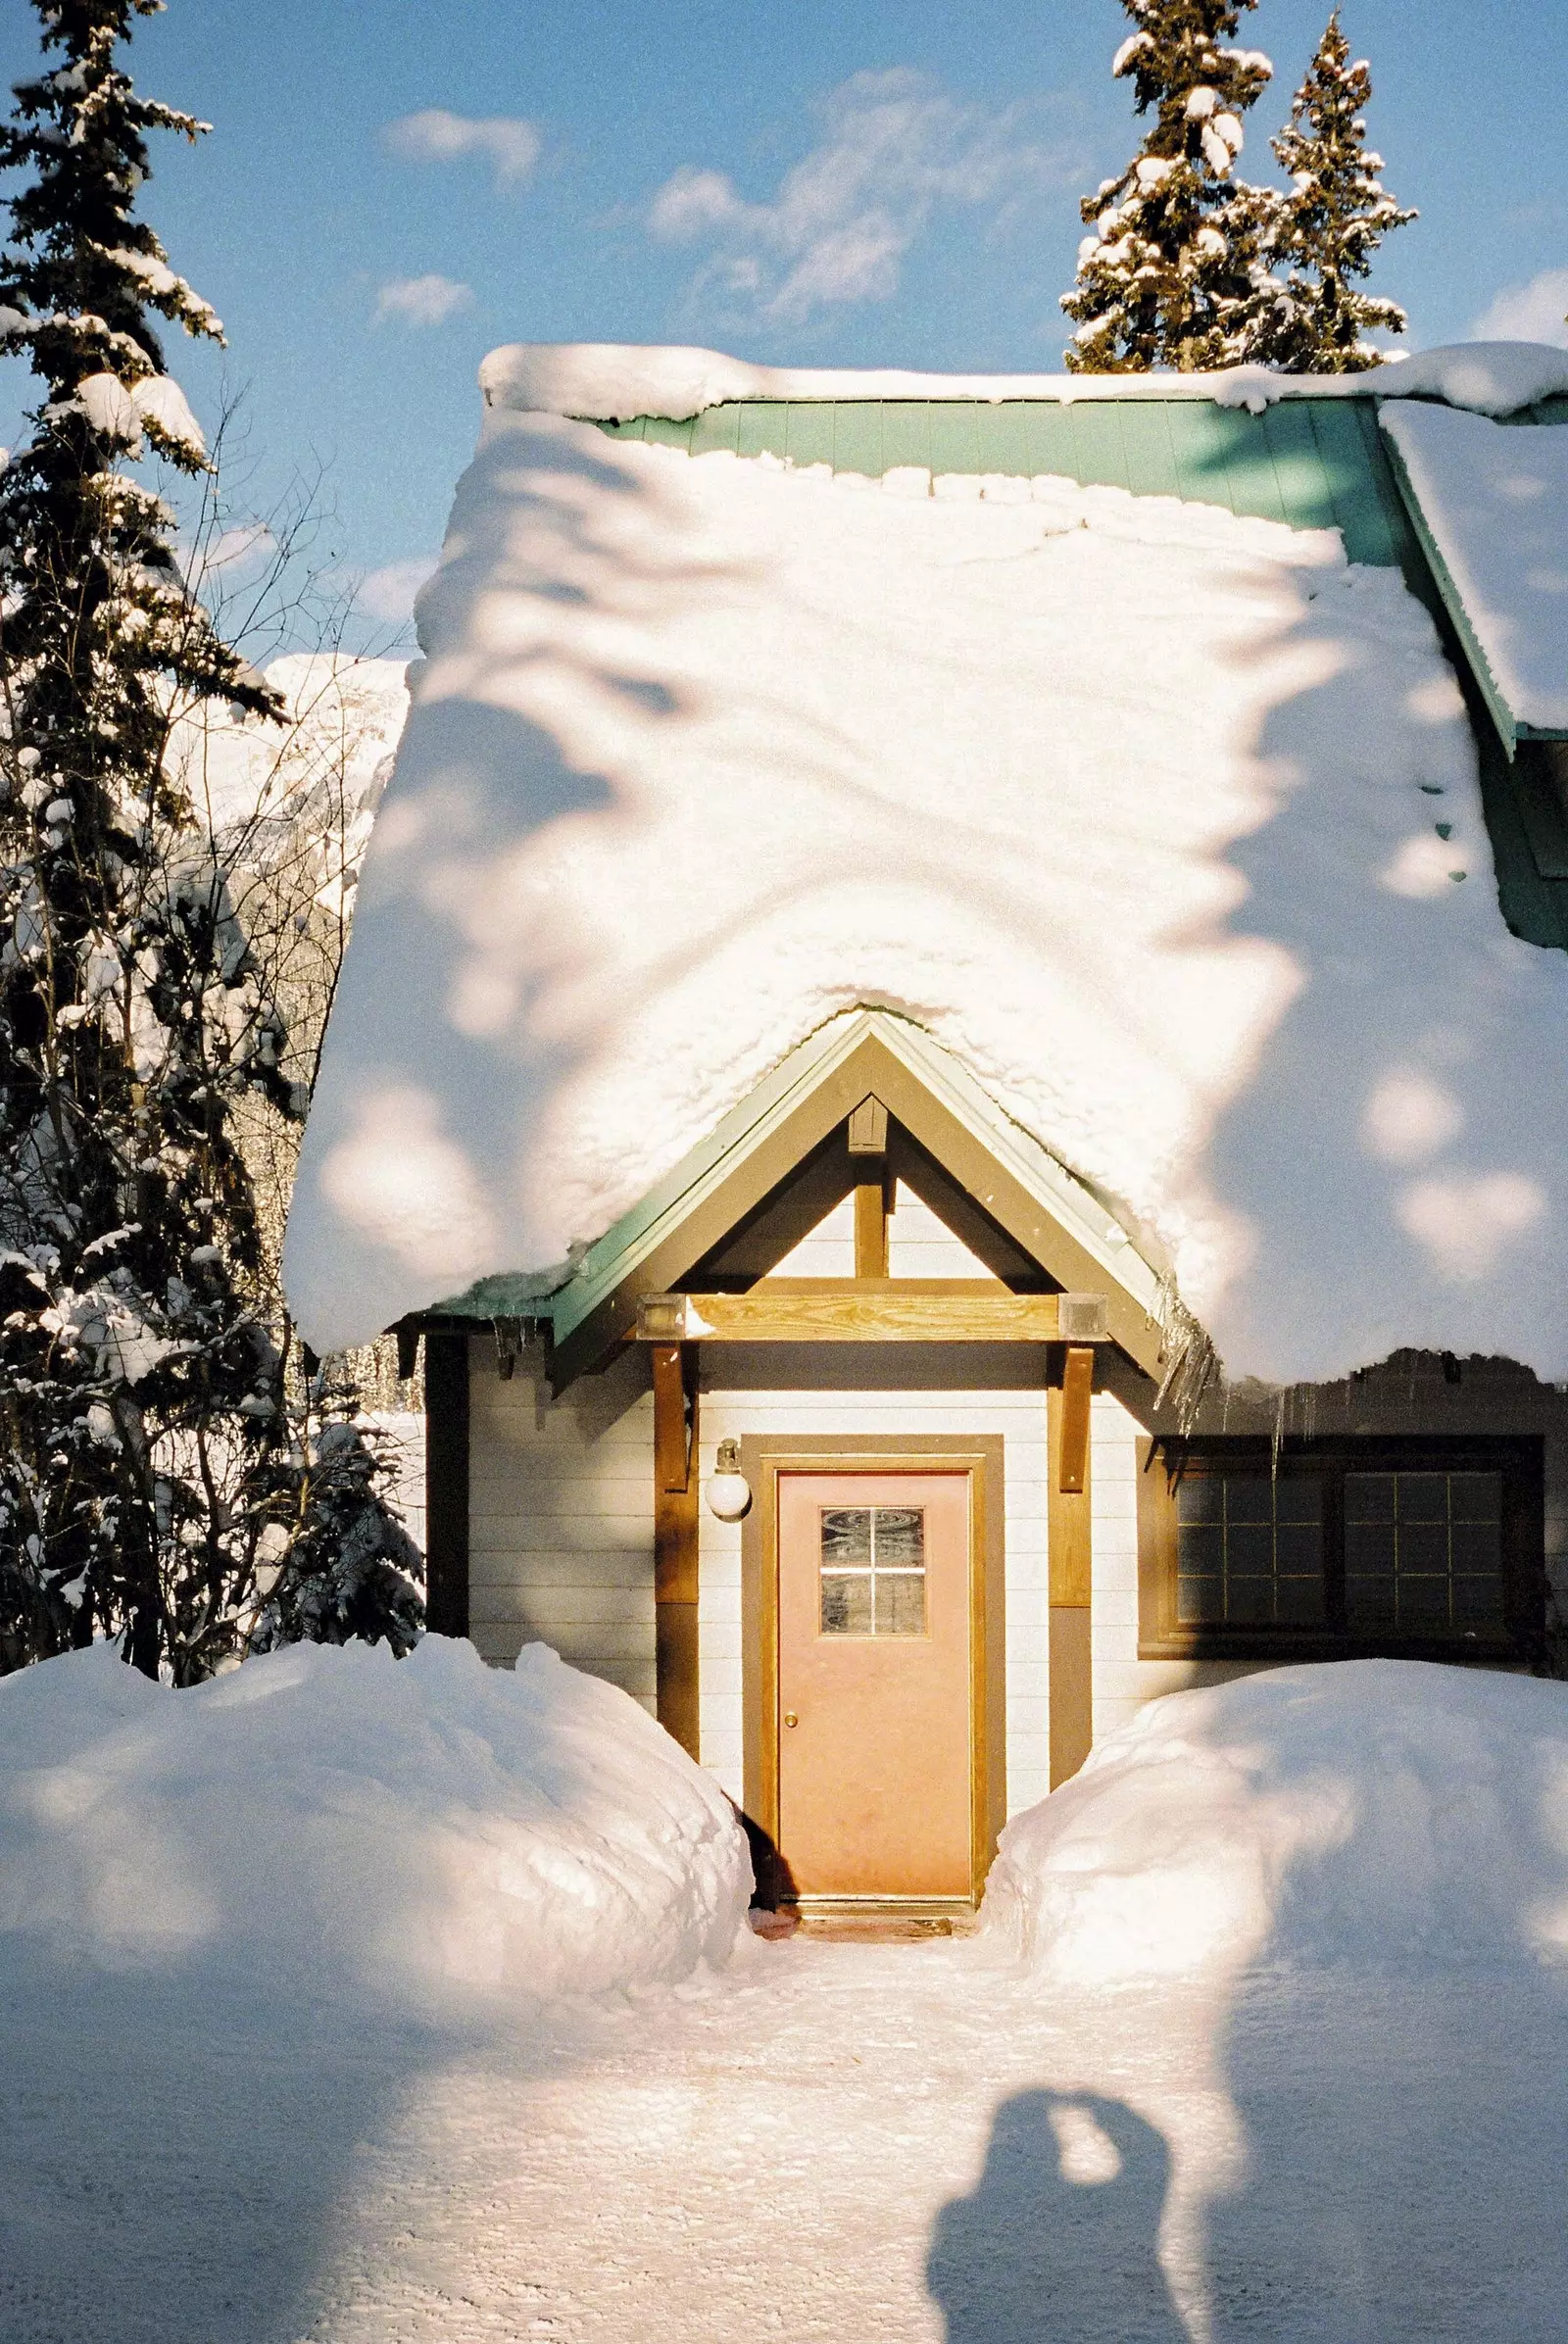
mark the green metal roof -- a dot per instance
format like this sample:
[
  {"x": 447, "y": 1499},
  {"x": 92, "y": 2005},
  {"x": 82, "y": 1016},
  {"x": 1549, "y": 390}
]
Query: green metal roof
[
  {"x": 1311, "y": 463},
  {"x": 1314, "y": 464}
]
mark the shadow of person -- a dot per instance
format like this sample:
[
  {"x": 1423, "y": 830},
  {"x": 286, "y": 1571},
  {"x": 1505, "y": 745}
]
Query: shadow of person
[{"x": 1056, "y": 2244}]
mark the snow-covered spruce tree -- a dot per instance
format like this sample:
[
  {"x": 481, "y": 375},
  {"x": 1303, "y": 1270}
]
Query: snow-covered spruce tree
[
  {"x": 1323, "y": 234},
  {"x": 148, "y": 1464},
  {"x": 1171, "y": 269}
]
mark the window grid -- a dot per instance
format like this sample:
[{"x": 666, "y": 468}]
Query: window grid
[
  {"x": 1250, "y": 1550},
  {"x": 1430, "y": 1545},
  {"x": 1423, "y": 1550},
  {"x": 873, "y": 1571}
]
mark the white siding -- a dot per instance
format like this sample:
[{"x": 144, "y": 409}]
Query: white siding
[
  {"x": 919, "y": 1246},
  {"x": 560, "y": 1530}
]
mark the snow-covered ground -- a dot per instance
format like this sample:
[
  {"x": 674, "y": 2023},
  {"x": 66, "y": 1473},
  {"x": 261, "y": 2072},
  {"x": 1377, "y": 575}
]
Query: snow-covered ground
[{"x": 1355, "y": 2135}]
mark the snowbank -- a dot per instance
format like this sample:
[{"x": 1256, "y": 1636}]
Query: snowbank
[
  {"x": 1350, "y": 1811},
  {"x": 1496, "y": 501},
  {"x": 1163, "y": 823},
  {"x": 426, "y": 1829},
  {"x": 610, "y": 381}
]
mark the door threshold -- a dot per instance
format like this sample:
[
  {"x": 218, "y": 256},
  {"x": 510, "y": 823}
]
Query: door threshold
[{"x": 874, "y": 1920}]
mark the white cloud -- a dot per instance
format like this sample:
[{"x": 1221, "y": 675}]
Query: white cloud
[
  {"x": 511, "y": 145},
  {"x": 1533, "y": 313},
  {"x": 1465, "y": 1220},
  {"x": 388, "y": 594},
  {"x": 895, "y": 146},
  {"x": 422, "y": 300},
  {"x": 231, "y": 549}
]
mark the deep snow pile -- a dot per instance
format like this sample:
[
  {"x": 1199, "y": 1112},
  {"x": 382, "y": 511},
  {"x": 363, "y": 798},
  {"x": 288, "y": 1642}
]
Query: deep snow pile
[
  {"x": 610, "y": 381},
  {"x": 1164, "y": 823},
  {"x": 1496, "y": 501},
  {"x": 426, "y": 1828},
  {"x": 1348, "y": 1811}
]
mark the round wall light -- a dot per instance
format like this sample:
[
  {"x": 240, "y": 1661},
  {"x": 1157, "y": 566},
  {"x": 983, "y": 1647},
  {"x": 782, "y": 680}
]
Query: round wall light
[{"x": 729, "y": 1493}]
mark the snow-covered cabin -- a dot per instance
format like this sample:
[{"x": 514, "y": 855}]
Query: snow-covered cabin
[{"x": 911, "y": 913}]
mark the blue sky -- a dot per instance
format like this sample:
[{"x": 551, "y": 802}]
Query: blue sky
[{"x": 392, "y": 188}]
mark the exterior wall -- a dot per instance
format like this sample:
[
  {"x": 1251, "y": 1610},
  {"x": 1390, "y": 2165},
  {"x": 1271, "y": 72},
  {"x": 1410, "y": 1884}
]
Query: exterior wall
[
  {"x": 561, "y": 1508},
  {"x": 919, "y": 1245}
]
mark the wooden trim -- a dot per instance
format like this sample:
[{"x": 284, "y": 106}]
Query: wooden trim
[
  {"x": 871, "y": 1228},
  {"x": 1069, "y": 1544},
  {"x": 1072, "y": 1448},
  {"x": 446, "y": 1482},
  {"x": 869, "y": 1311},
  {"x": 676, "y": 1495},
  {"x": 1518, "y": 1457},
  {"x": 1068, "y": 1513},
  {"x": 870, "y": 1067},
  {"x": 763, "y": 1458},
  {"x": 1072, "y": 1707}
]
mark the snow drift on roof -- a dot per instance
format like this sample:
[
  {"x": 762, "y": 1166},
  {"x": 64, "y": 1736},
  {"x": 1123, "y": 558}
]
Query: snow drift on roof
[
  {"x": 1495, "y": 502},
  {"x": 1164, "y": 823},
  {"x": 1348, "y": 1811},
  {"x": 612, "y": 381}
]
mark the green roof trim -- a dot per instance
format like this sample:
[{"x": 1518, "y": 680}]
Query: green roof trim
[{"x": 1312, "y": 464}]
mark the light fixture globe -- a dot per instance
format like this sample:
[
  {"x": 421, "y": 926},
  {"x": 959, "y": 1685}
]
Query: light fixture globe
[{"x": 728, "y": 1492}]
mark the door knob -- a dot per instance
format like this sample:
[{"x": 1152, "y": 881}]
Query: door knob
[{"x": 790, "y": 1717}]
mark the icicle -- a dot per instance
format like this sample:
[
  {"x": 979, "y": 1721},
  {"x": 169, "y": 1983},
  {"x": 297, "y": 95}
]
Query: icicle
[{"x": 1193, "y": 1361}]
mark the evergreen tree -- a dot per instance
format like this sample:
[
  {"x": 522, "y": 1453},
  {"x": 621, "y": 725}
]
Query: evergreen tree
[
  {"x": 1170, "y": 272},
  {"x": 1325, "y": 231},
  {"x": 149, "y": 1462}
]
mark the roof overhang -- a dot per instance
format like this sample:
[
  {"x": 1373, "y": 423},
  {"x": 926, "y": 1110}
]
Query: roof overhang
[{"x": 1051, "y": 1216}]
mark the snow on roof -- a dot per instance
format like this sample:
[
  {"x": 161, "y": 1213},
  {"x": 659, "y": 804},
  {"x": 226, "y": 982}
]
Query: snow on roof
[
  {"x": 1164, "y": 823},
  {"x": 1495, "y": 505},
  {"x": 613, "y": 381}
]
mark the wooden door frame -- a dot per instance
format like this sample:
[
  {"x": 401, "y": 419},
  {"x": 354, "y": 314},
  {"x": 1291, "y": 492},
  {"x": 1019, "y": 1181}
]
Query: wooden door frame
[{"x": 764, "y": 1457}]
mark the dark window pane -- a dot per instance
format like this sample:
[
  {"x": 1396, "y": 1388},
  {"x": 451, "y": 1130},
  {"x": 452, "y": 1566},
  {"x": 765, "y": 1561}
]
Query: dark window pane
[
  {"x": 1369, "y": 1546},
  {"x": 1298, "y": 1603},
  {"x": 901, "y": 1603},
  {"x": 1423, "y": 1546},
  {"x": 1368, "y": 1600},
  {"x": 1478, "y": 1602},
  {"x": 1200, "y": 1546},
  {"x": 1476, "y": 1546},
  {"x": 1369, "y": 1497},
  {"x": 1298, "y": 1500},
  {"x": 1423, "y": 1496},
  {"x": 1201, "y": 1498},
  {"x": 1475, "y": 1496},
  {"x": 1249, "y": 1547},
  {"x": 1248, "y": 1601},
  {"x": 1423, "y": 1602},
  {"x": 845, "y": 1534},
  {"x": 1199, "y": 1600},
  {"x": 1248, "y": 1499},
  {"x": 1299, "y": 1547},
  {"x": 899, "y": 1535},
  {"x": 847, "y": 1603}
]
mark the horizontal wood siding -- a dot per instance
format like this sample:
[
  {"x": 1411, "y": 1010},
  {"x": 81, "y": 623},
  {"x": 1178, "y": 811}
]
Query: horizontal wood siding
[
  {"x": 562, "y": 1520},
  {"x": 561, "y": 1517}
]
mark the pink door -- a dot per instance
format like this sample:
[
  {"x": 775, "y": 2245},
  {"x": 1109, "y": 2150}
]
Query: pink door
[{"x": 875, "y": 1734}]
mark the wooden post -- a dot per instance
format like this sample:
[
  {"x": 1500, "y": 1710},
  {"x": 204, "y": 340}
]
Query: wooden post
[
  {"x": 675, "y": 1518},
  {"x": 1068, "y": 1531},
  {"x": 869, "y": 1144},
  {"x": 446, "y": 1481}
]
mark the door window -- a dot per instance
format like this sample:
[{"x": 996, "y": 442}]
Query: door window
[{"x": 873, "y": 1571}]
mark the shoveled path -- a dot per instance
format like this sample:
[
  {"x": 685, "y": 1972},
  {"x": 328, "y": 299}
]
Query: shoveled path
[{"x": 838, "y": 2140}]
